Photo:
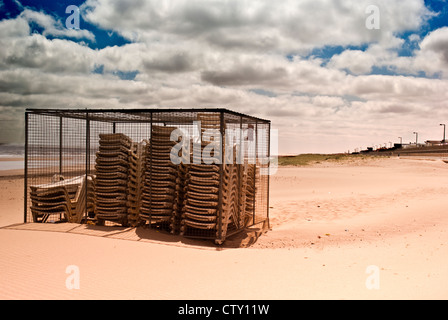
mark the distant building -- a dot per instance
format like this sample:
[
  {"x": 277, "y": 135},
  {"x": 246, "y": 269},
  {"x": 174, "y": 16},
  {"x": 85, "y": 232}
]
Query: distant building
[
  {"x": 412, "y": 145},
  {"x": 434, "y": 143}
]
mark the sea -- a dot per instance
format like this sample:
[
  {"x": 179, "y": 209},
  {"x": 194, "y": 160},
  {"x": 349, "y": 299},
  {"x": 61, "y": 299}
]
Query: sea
[
  {"x": 15, "y": 157},
  {"x": 12, "y": 156}
]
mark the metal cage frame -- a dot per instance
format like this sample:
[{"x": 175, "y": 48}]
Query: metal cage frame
[{"x": 64, "y": 142}]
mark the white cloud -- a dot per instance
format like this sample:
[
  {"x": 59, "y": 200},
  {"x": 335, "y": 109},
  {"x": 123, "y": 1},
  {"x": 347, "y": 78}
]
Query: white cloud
[
  {"x": 437, "y": 43},
  {"x": 36, "y": 51},
  {"x": 414, "y": 37},
  {"x": 14, "y": 28},
  {"x": 431, "y": 57},
  {"x": 355, "y": 61},
  {"x": 276, "y": 26}
]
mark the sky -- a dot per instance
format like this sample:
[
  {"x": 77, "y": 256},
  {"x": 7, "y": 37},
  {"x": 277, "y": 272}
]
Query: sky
[{"x": 331, "y": 75}]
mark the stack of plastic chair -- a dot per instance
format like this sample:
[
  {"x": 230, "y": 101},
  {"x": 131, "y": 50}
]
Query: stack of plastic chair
[
  {"x": 231, "y": 216},
  {"x": 180, "y": 195},
  {"x": 201, "y": 199},
  {"x": 246, "y": 176},
  {"x": 65, "y": 200},
  {"x": 249, "y": 186},
  {"x": 159, "y": 190},
  {"x": 112, "y": 169},
  {"x": 135, "y": 182},
  {"x": 200, "y": 209}
]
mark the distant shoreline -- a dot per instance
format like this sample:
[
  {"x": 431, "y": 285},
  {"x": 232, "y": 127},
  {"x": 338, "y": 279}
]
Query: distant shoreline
[
  {"x": 12, "y": 158},
  {"x": 11, "y": 174}
]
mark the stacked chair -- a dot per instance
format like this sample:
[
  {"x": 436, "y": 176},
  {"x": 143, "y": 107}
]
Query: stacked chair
[
  {"x": 135, "y": 182},
  {"x": 159, "y": 192},
  {"x": 250, "y": 191},
  {"x": 200, "y": 210},
  {"x": 203, "y": 215},
  {"x": 180, "y": 196},
  {"x": 231, "y": 191},
  {"x": 111, "y": 185},
  {"x": 247, "y": 193},
  {"x": 200, "y": 206},
  {"x": 64, "y": 199}
]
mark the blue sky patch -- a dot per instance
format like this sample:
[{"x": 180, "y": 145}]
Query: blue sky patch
[{"x": 57, "y": 9}]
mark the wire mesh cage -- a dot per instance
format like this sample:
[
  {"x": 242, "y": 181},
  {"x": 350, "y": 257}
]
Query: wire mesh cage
[{"x": 201, "y": 173}]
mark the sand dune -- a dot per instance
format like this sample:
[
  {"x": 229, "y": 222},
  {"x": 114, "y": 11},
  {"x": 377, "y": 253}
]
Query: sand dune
[{"x": 329, "y": 223}]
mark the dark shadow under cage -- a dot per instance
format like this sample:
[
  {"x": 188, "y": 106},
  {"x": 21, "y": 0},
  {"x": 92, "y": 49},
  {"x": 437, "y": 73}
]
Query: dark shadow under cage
[{"x": 199, "y": 172}]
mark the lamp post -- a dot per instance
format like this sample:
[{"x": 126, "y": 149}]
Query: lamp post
[
  {"x": 444, "y": 129},
  {"x": 416, "y": 138}
]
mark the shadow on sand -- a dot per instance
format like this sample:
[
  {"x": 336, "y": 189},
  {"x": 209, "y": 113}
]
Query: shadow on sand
[{"x": 242, "y": 239}]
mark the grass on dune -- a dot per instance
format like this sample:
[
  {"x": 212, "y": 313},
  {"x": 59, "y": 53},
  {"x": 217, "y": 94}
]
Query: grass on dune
[{"x": 307, "y": 159}]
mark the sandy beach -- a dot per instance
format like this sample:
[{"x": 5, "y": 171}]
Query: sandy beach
[{"x": 374, "y": 228}]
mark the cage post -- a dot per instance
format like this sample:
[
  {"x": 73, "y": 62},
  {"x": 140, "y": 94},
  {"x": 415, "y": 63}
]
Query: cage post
[
  {"x": 221, "y": 174},
  {"x": 269, "y": 172},
  {"x": 26, "y": 170},
  {"x": 150, "y": 172},
  {"x": 87, "y": 164},
  {"x": 255, "y": 170},
  {"x": 240, "y": 164},
  {"x": 60, "y": 145}
]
